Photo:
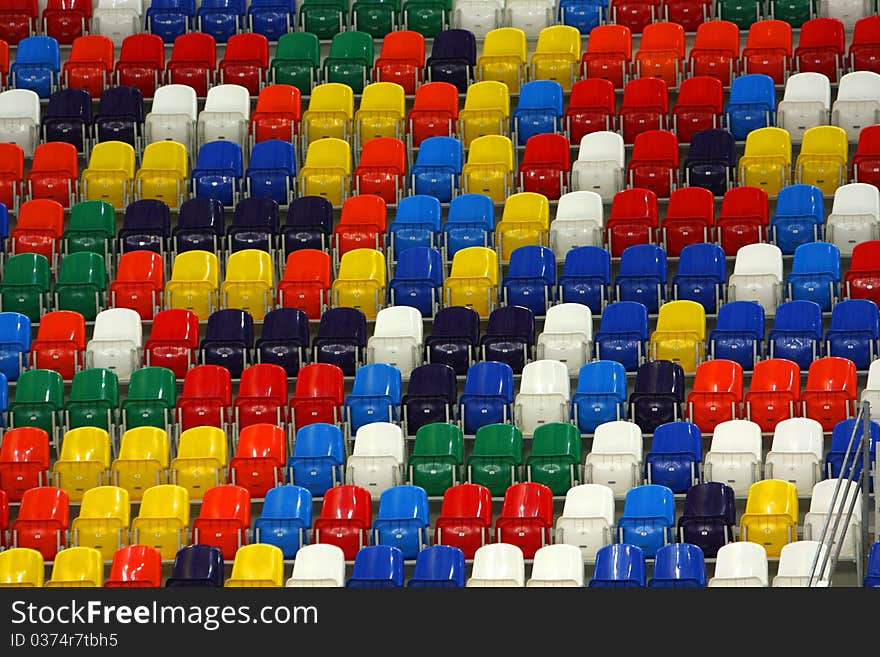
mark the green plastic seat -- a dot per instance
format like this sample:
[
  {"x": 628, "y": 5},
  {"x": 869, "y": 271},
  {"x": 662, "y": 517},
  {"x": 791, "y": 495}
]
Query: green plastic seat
[
  {"x": 741, "y": 13},
  {"x": 94, "y": 399},
  {"x": 496, "y": 457},
  {"x": 324, "y": 18},
  {"x": 350, "y": 60},
  {"x": 428, "y": 17},
  {"x": 793, "y": 12},
  {"x": 152, "y": 395},
  {"x": 437, "y": 457},
  {"x": 82, "y": 284},
  {"x": 555, "y": 457},
  {"x": 26, "y": 283},
  {"x": 39, "y": 399},
  {"x": 92, "y": 227},
  {"x": 297, "y": 61},
  {"x": 375, "y": 17}
]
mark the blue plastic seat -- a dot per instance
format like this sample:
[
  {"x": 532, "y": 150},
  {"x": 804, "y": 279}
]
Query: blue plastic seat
[
  {"x": 623, "y": 334},
  {"x": 488, "y": 395},
  {"x": 531, "y": 278},
  {"x": 418, "y": 280},
  {"x": 437, "y": 168},
  {"x": 120, "y": 115},
  {"x": 68, "y": 118},
  {"x": 341, "y": 339},
  {"x": 220, "y": 18},
  {"x": 797, "y": 332},
  {"x": 600, "y": 396},
  {"x": 403, "y": 519},
  {"x": 470, "y": 222},
  {"x": 675, "y": 459},
  {"x": 539, "y": 109},
  {"x": 145, "y": 227},
  {"x": 255, "y": 224},
  {"x": 228, "y": 341},
  {"x": 318, "y": 458},
  {"x": 872, "y": 576},
  {"x": 308, "y": 224},
  {"x": 648, "y": 518},
  {"x": 218, "y": 171},
  {"x": 711, "y": 160},
  {"x": 854, "y": 332},
  {"x": 201, "y": 226},
  {"x": 15, "y": 343},
  {"x": 197, "y": 565},
  {"x": 272, "y": 18},
  {"x": 284, "y": 339},
  {"x": 285, "y": 519},
  {"x": 431, "y": 396},
  {"x": 439, "y": 566},
  {"x": 679, "y": 565},
  {"x": 37, "y": 65},
  {"x": 836, "y": 463},
  {"x": 815, "y": 273},
  {"x": 377, "y": 566},
  {"x": 799, "y": 217},
  {"x": 170, "y": 18},
  {"x": 709, "y": 516},
  {"x": 454, "y": 338},
  {"x": 586, "y": 275},
  {"x": 453, "y": 58},
  {"x": 642, "y": 276},
  {"x": 751, "y": 104},
  {"x": 739, "y": 333},
  {"x": 375, "y": 396},
  {"x": 619, "y": 565},
  {"x": 509, "y": 336},
  {"x": 701, "y": 275},
  {"x": 271, "y": 170},
  {"x": 416, "y": 223},
  {"x": 582, "y": 14},
  {"x": 657, "y": 395}
]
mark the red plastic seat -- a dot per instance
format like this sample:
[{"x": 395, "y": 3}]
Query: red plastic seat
[
  {"x": 345, "y": 519},
  {"x": 635, "y": 14},
  {"x": 42, "y": 521},
  {"x": 699, "y": 106},
  {"x": 690, "y": 14},
  {"x": 768, "y": 49},
  {"x": 465, "y": 518},
  {"x": 866, "y": 160},
  {"x": 633, "y": 220},
  {"x": 526, "y": 517},
  {"x": 434, "y": 112},
  {"x": 90, "y": 64},
  {"x": 65, "y": 20},
  {"x": 4, "y": 61},
  {"x": 39, "y": 228},
  {"x": 361, "y": 224},
  {"x": 193, "y": 60},
  {"x": 545, "y": 165},
  {"x": 654, "y": 162},
  {"x": 260, "y": 457},
  {"x": 830, "y": 392},
  {"x": 277, "y": 114},
  {"x": 141, "y": 63},
  {"x": 245, "y": 61},
  {"x": 661, "y": 53},
  {"x": 18, "y": 20},
  {"x": 140, "y": 278},
  {"x": 262, "y": 395},
  {"x": 135, "y": 566},
  {"x": 206, "y": 397},
  {"x": 592, "y": 107},
  {"x": 608, "y": 54},
  {"x": 864, "y": 49},
  {"x": 54, "y": 172},
  {"x": 774, "y": 393},
  {"x": 743, "y": 218},
  {"x": 173, "y": 341},
  {"x": 644, "y": 107},
  {"x": 716, "y": 395},
  {"x": 821, "y": 47},
  {"x": 11, "y": 174},
  {"x": 401, "y": 60},
  {"x": 690, "y": 217},
  {"x": 4, "y": 517},
  {"x": 382, "y": 168},
  {"x": 306, "y": 282},
  {"x": 716, "y": 51},
  {"x": 224, "y": 519},
  {"x": 318, "y": 395},
  {"x": 60, "y": 343},
  {"x": 24, "y": 461}
]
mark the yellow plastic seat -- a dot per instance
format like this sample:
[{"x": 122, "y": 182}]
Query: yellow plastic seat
[
  {"x": 84, "y": 462},
  {"x": 163, "y": 519},
  {"x": 142, "y": 461},
  {"x": 361, "y": 281},
  {"x": 524, "y": 222},
  {"x": 330, "y": 112},
  {"x": 823, "y": 158},
  {"x": 680, "y": 334},
  {"x": 110, "y": 174},
  {"x": 103, "y": 520},
  {"x": 771, "y": 515},
  {"x": 257, "y": 565},
  {"x": 21, "y": 567},
  {"x": 77, "y": 567},
  {"x": 473, "y": 279},
  {"x": 195, "y": 283},
  {"x": 504, "y": 57},
  {"x": 489, "y": 167},
  {"x": 556, "y": 55},
  {"x": 382, "y": 111},
  {"x": 249, "y": 282},
  {"x": 164, "y": 173},
  {"x": 766, "y": 162},
  {"x": 486, "y": 111},
  {"x": 200, "y": 464},
  {"x": 327, "y": 170}
]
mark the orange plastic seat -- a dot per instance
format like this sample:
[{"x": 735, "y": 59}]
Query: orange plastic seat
[
  {"x": 715, "y": 51},
  {"x": 830, "y": 393},
  {"x": 277, "y": 114},
  {"x": 768, "y": 49},
  {"x": 89, "y": 64},
  {"x": 661, "y": 52},
  {"x": 54, "y": 173},
  {"x": 306, "y": 282},
  {"x": 608, "y": 54}
]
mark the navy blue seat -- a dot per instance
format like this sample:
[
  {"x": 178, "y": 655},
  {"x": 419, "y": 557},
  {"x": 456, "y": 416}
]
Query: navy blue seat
[
  {"x": 68, "y": 118},
  {"x": 675, "y": 459},
  {"x": 701, "y": 275},
  {"x": 284, "y": 339},
  {"x": 439, "y": 566},
  {"x": 854, "y": 332},
  {"x": 509, "y": 336},
  {"x": 797, "y": 332},
  {"x": 197, "y": 565},
  {"x": 799, "y": 217},
  {"x": 600, "y": 395},
  {"x": 403, "y": 519},
  {"x": 623, "y": 334},
  {"x": 255, "y": 225},
  {"x": 377, "y": 566},
  {"x": 341, "y": 339},
  {"x": 416, "y": 223},
  {"x": 228, "y": 341},
  {"x": 201, "y": 226},
  {"x": 272, "y": 18},
  {"x": 582, "y": 14},
  {"x": 437, "y": 168},
  {"x": 431, "y": 396},
  {"x": 815, "y": 274},
  {"x": 487, "y": 397},
  {"x": 318, "y": 458},
  {"x": 37, "y": 65},
  {"x": 218, "y": 171},
  {"x": 836, "y": 462},
  {"x": 531, "y": 278},
  {"x": 15, "y": 343},
  {"x": 539, "y": 110},
  {"x": 453, "y": 58},
  {"x": 657, "y": 395},
  {"x": 679, "y": 565},
  {"x": 648, "y": 518},
  {"x": 470, "y": 222},
  {"x": 709, "y": 516},
  {"x": 619, "y": 565},
  {"x": 739, "y": 333},
  {"x": 285, "y": 519},
  {"x": 308, "y": 224},
  {"x": 170, "y": 18},
  {"x": 454, "y": 338},
  {"x": 120, "y": 115},
  {"x": 220, "y": 18},
  {"x": 642, "y": 276},
  {"x": 586, "y": 275},
  {"x": 751, "y": 104},
  {"x": 375, "y": 396},
  {"x": 711, "y": 160},
  {"x": 872, "y": 576},
  {"x": 145, "y": 227},
  {"x": 418, "y": 280},
  {"x": 271, "y": 171}
]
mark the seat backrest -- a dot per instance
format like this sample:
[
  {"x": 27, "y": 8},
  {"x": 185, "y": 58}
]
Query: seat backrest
[
  {"x": 175, "y": 99},
  {"x": 499, "y": 562},
  {"x": 650, "y": 501},
  {"x": 618, "y": 437},
  {"x": 589, "y": 501},
  {"x": 858, "y": 86},
  {"x": 737, "y": 436},
  {"x": 545, "y": 377},
  {"x": 808, "y": 87},
  {"x": 602, "y": 146},
  {"x": 574, "y": 318},
  {"x": 380, "y": 439},
  {"x": 798, "y": 435},
  {"x": 742, "y": 560},
  {"x": 759, "y": 259}
]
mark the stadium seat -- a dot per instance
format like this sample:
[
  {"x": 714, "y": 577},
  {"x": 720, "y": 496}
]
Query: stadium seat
[
  {"x": 796, "y": 454},
  {"x": 197, "y": 565},
  {"x": 453, "y": 58},
  {"x": 377, "y": 566},
  {"x": 228, "y": 341},
  {"x": 260, "y": 459},
  {"x": 375, "y": 396},
  {"x": 193, "y": 62},
  {"x": 172, "y": 116},
  {"x": 170, "y": 18},
  {"x": 104, "y": 520},
  {"x": 853, "y": 332},
  {"x": 142, "y": 461},
  {"x": 378, "y": 458},
  {"x": 162, "y": 521},
  {"x": 855, "y": 215},
  {"x": 823, "y": 158},
  {"x": 567, "y": 335},
  {"x": 465, "y": 518},
  {"x": 599, "y": 166},
  {"x": 402, "y": 520},
  {"x": 587, "y": 519},
  {"x": 770, "y": 515},
  {"x": 454, "y": 338},
  {"x": 815, "y": 274},
  {"x": 555, "y": 457},
  {"x": 110, "y": 174},
  {"x": 615, "y": 458},
  {"x": 93, "y": 400},
  {"x": 225, "y": 116},
  {"x": 602, "y": 399},
  {"x": 473, "y": 280},
  {"x": 194, "y": 284},
  {"x": 478, "y": 16},
  {"x": 768, "y": 49},
  {"x": 350, "y": 60},
  {"x": 829, "y": 395},
  {"x": 205, "y": 399},
  {"x": 699, "y": 106},
  {"x": 117, "y": 19},
  {"x": 679, "y": 565},
  {"x": 526, "y": 517},
  {"x": 135, "y": 566},
  {"x": 701, "y": 274},
  {"x": 653, "y": 164},
  {"x": 77, "y": 567},
  {"x": 645, "y": 106},
  {"x": 201, "y": 460},
  {"x": 37, "y": 65},
  {"x": 261, "y": 397},
  {"x": 89, "y": 64},
  {"x": 544, "y": 395},
  {"x": 305, "y": 284},
  {"x": 586, "y": 275},
  {"x": 12, "y": 174},
  {"x": 39, "y": 398},
  {"x": 327, "y": 170},
  {"x": 861, "y": 276},
  {"x": 545, "y": 165},
  {"x": 735, "y": 456},
  {"x": 715, "y": 51},
  {"x": 862, "y": 53},
  {"x": 619, "y": 565},
  {"x": 381, "y": 113},
  {"x": 806, "y": 103},
  {"x": 803, "y": 564},
  {"x": 308, "y": 224},
  {"x": 360, "y": 282},
  {"x": 341, "y": 338},
  {"x": 592, "y": 107},
  {"x": 245, "y": 62},
  {"x": 141, "y": 63},
  {"x": 579, "y": 221},
  {"x": 757, "y": 276},
  {"x": 797, "y": 332},
  {"x": 318, "y": 395},
  {"x": 285, "y": 520},
  {"x": 838, "y": 464},
  {"x": 608, "y": 54},
  {"x": 323, "y": 18},
  {"x": 661, "y": 52},
  {"x": 740, "y": 564},
  {"x": 648, "y": 519},
  {"x": 488, "y": 395},
  {"x": 855, "y": 106},
  {"x": 509, "y": 337},
  {"x": 401, "y": 59},
  {"x": 642, "y": 276},
  {"x": 658, "y": 394},
  {"x": 774, "y": 393},
  {"x": 223, "y": 520},
  {"x": 556, "y": 54},
  {"x": 716, "y": 395},
  {"x": 42, "y": 522},
  {"x": 675, "y": 457},
  {"x": 218, "y": 172},
  {"x": 173, "y": 340},
  {"x": 257, "y": 566},
  {"x": 623, "y": 334}
]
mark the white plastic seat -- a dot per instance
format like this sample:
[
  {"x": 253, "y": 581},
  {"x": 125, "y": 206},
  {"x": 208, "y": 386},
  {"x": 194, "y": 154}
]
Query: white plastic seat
[
  {"x": 740, "y": 564},
  {"x": 226, "y": 116},
  {"x": 318, "y": 565},
  {"x": 20, "y": 118},
  {"x": 871, "y": 393},
  {"x": 757, "y": 276},
  {"x": 599, "y": 164},
  {"x": 848, "y": 11},
  {"x": 587, "y": 520},
  {"x": 567, "y": 336},
  {"x": 796, "y": 454},
  {"x": 172, "y": 116},
  {"x": 544, "y": 395},
  {"x": 378, "y": 459},
  {"x": 497, "y": 565},
  {"x": 117, "y": 19},
  {"x": 616, "y": 457},
  {"x": 849, "y": 535},
  {"x": 531, "y": 16},
  {"x": 557, "y": 565},
  {"x": 735, "y": 455},
  {"x": 579, "y": 221},
  {"x": 796, "y": 563},
  {"x": 398, "y": 338},
  {"x": 805, "y": 104},
  {"x": 855, "y": 216},
  {"x": 117, "y": 342},
  {"x": 857, "y": 103},
  {"x": 478, "y": 16}
]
